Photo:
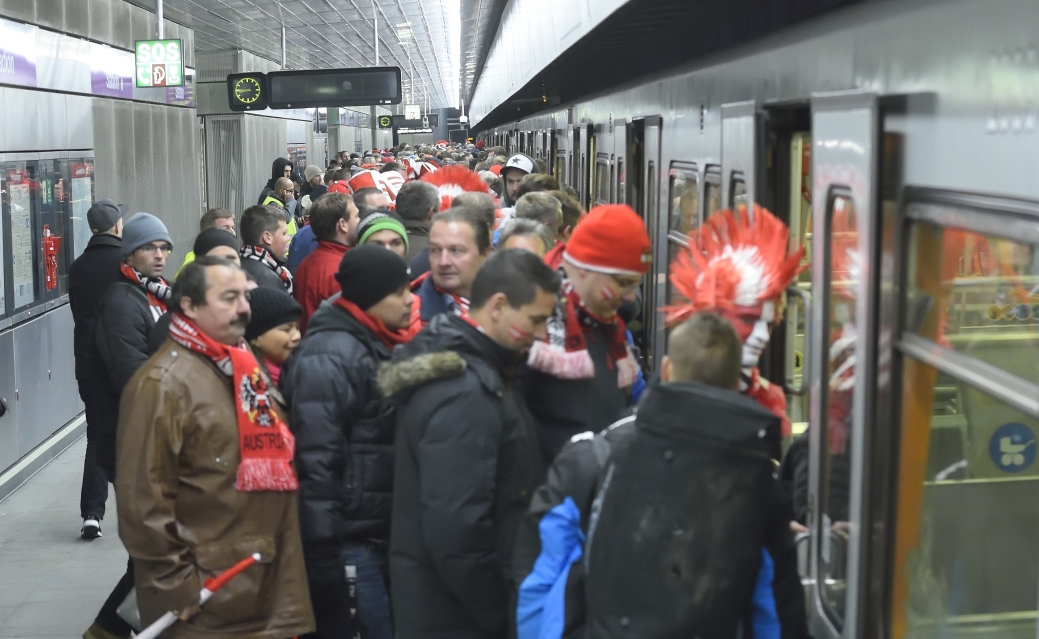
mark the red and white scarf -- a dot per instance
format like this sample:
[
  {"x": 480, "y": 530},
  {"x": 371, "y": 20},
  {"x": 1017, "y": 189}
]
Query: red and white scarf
[
  {"x": 262, "y": 255},
  {"x": 155, "y": 288},
  {"x": 264, "y": 441},
  {"x": 565, "y": 354}
]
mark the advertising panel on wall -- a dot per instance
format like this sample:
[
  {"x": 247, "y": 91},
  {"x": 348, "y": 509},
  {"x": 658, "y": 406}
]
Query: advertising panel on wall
[
  {"x": 23, "y": 267},
  {"x": 40, "y": 59}
]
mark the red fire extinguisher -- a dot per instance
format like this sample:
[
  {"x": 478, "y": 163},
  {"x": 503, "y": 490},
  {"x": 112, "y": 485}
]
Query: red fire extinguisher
[{"x": 51, "y": 244}]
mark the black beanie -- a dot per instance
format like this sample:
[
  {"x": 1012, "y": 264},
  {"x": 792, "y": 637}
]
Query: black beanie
[
  {"x": 209, "y": 239},
  {"x": 271, "y": 307},
  {"x": 369, "y": 273}
]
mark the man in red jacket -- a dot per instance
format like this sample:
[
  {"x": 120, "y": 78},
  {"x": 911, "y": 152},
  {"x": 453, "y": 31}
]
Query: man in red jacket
[{"x": 334, "y": 220}]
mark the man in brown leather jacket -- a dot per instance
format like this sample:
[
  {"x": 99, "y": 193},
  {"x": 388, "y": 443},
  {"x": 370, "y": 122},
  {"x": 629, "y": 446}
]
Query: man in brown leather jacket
[{"x": 195, "y": 493}]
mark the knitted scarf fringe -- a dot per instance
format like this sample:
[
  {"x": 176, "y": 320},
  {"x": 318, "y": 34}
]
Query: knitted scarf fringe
[
  {"x": 561, "y": 363},
  {"x": 257, "y": 474}
]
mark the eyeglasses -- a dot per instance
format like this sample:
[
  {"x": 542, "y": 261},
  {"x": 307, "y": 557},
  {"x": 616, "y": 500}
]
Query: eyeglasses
[{"x": 152, "y": 249}]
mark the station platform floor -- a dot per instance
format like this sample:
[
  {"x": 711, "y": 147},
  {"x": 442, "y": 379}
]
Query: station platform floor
[{"x": 52, "y": 583}]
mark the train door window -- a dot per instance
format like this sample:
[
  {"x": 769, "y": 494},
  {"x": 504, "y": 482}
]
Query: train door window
[
  {"x": 559, "y": 168},
  {"x": 622, "y": 196},
  {"x": 712, "y": 195},
  {"x": 602, "y": 179},
  {"x": 967, "y": 491},
  {"x": 683, "y": 198},
  {"x": 838, "y": 398},
  {"x": 738, "y": 190}
]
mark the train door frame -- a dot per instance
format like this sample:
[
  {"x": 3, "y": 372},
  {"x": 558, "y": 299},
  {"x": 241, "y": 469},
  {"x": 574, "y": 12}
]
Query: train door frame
[
  {"x": 646, "y": 141},
  {"x": 739, "y": 151},
  {"x": 845, "y": 130}
]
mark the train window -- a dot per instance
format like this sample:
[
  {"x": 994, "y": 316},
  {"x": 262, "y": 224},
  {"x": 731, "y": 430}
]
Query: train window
[
  {"x": 738, "y": 190},
  {"x": 841, "y": 288},
  {"x": 683, "y": 198},
  {"x": 559, "y": 168},
  {"x": 602, "y": 179},
  {"x": 967, "y": 512},
  {"x": 712, "y": 189},
  {"x": 622, "y": 197}
]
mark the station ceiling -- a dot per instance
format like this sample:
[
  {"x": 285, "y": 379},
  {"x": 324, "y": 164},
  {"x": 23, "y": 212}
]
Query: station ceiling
[{"x": 441, "y": 44}]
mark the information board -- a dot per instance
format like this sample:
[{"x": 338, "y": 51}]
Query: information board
[
  {"x": 159, "y": 63},
  {"x": 22, "y": 265},
  {"x": 333, "y": 87}
]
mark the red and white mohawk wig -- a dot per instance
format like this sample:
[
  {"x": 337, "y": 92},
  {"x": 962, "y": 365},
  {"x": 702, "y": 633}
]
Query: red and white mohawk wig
[
  {"x": 733, "y": 260},
  {"x": 451, "y": 181},
  {"x": 418, "y": 169}
]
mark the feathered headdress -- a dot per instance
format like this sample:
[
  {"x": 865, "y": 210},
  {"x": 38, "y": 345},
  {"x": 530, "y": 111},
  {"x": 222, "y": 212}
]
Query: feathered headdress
[
  {"x": 733, "y": 260},
  {"x": 451, "y": 181}
]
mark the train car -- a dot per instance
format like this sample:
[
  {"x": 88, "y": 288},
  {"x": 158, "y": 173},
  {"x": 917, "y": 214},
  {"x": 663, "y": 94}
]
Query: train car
[{"x": 898, "y": 141}]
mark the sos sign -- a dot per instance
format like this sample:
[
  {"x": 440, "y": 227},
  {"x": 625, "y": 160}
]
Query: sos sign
[{"x": 160, "y": 63}]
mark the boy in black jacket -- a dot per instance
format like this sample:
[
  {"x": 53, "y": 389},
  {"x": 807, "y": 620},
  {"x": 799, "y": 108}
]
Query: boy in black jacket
[{"x": 674, "y": 515}]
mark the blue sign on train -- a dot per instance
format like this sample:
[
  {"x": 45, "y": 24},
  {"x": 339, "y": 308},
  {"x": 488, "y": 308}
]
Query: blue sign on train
[{"x": 1012, "y": 447}]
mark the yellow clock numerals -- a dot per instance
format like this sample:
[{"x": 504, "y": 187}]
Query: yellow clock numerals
[{"x": 247, "y": 90}]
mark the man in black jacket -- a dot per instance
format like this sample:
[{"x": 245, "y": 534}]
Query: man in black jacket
[
  {"x": 265, "y": 245},
  {"x": 684, "y": 527},
  {"x": 467, "y": 454},
  {"x": 89, "y": 277},
  {"x": 123, "y": 323},
  {"x": 344, "y": 439}
]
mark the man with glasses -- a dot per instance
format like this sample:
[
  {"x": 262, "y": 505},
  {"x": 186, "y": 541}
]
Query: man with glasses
[
  {"x": 122, "y": 324},
  {"x": 582, "y": 374}
]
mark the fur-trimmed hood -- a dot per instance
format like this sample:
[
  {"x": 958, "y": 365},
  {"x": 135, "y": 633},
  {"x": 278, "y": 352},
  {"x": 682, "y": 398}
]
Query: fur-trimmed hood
[{"x": 447, "y": 347}]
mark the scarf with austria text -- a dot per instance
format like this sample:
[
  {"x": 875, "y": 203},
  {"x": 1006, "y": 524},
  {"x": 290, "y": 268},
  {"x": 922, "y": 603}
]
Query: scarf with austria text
[
  {"x": 264, "y": 441},
  {"x": 155, "y": 288},
  {"x": 565, "y": 353},
  {"x": 262, "y": 255}
]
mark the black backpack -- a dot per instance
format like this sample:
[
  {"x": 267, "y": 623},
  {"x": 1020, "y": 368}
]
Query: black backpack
[{"x": 677, "y": 526}]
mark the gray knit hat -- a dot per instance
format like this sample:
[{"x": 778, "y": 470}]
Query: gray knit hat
[{"x": 141, "y": 229}]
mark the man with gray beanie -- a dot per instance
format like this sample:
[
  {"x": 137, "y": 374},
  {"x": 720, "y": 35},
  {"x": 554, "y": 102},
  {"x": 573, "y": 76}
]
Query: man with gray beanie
[
  {"x": 123, "y": 322},
  {"x": 89, "y": 277},
  {"x": 344, "y": 431}
]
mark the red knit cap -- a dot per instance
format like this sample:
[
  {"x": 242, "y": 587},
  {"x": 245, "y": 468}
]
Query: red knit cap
[{"x": 611, "y": 239}]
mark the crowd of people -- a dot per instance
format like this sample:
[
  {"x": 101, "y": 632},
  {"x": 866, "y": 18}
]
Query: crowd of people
[{"x": 405, "y": 382}]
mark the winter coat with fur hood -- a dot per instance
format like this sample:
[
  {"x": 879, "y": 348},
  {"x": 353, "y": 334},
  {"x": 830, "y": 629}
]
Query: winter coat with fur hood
[{"x": 467, "y": 463}]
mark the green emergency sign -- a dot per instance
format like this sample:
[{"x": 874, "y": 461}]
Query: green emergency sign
[{"x": 160, "y": 63}]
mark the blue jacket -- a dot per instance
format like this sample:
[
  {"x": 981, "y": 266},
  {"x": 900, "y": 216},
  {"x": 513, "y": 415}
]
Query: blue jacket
[{"x": 303, "y": 244}]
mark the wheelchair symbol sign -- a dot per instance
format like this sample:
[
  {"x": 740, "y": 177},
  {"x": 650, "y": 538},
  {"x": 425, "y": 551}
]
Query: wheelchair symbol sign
[{"x": 1012, "y": 447}]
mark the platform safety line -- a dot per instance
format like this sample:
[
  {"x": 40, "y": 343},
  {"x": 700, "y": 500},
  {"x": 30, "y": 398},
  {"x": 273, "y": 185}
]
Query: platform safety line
[{"x": 54, "y": 440}]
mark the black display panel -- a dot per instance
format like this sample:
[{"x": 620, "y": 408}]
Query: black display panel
[
  {"x": 334, "y": 87},
  {"x": 401, "y": 122},
  {"x": 247, "y": 91}
]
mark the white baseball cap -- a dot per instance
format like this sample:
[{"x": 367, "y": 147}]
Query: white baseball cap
[{"x": 519, "y": 161}]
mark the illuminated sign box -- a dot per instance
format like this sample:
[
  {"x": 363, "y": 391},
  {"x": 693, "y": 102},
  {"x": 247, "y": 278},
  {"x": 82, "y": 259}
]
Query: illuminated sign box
[
  {"x": 160, "y": 63},
  {"x": 403, "y": 122},
  {"x": 334, "y": 87}
]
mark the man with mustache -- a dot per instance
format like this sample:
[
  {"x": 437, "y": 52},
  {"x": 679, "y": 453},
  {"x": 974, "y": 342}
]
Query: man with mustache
[
  {"x": 205, "y": 475},
  {"x": 344, "y": 431},
  {"x": 467, "y": 456}
]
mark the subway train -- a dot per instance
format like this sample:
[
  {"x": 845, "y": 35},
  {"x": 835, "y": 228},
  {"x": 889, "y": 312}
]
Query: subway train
[{"x": 899, "y": 142}]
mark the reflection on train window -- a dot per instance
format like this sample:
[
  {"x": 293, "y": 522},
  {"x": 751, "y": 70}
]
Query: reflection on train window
[
  {"x": 602, "y": 181},
  {"x": 977, "y": 294},
  {"x": 968, "y": 512},
  {"x": 674, "y": 297},
  {"x": 621, "y": 195},
  {"x": 738, "y": 193},
  {"x": 559, "y": 169},
  {"x": 712, "y": 190},
  {"x": 841, "y": 294},
  {"x": 683, "y": 199}
]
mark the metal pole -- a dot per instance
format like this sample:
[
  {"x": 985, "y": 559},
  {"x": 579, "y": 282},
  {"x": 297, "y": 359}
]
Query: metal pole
[
  {"x": 158, "y": 20},
  {"x": 283, "y": 47},
  {"x": 375, "y": 24}
]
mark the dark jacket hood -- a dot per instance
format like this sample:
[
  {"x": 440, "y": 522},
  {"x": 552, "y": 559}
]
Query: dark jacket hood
[
  {"x": 707, "y": 412},
  {"x": 277, "y": 171},
  {"x": 445, "y": 348}
]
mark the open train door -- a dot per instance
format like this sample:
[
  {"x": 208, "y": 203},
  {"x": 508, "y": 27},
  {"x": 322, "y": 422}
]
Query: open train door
[
  {"x": 643, "y": 141},
  {"x": 842, "y": 354}
]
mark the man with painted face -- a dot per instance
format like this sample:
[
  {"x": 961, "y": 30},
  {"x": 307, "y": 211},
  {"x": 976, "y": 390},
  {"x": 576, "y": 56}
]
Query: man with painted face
[
  {"x": 740, "y": 271},
  {"x": 581, "y": 374}
]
